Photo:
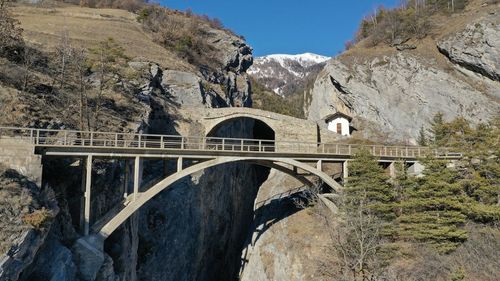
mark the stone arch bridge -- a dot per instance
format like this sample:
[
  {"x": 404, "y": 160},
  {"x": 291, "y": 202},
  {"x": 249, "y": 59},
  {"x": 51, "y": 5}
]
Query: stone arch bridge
[{"x": 284, "y": 127}]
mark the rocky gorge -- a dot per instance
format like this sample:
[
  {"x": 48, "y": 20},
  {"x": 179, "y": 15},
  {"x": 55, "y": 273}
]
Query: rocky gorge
[
  {"x": 230, "y": 222},
  {"x": 156, "y": 244}
]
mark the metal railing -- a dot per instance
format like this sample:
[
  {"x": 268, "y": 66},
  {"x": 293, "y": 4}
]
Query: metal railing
[{"x": 88, "y": 139}]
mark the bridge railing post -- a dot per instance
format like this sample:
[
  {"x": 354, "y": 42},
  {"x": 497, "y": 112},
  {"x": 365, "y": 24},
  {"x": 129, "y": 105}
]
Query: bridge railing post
[{"x": 260, "y": 146}]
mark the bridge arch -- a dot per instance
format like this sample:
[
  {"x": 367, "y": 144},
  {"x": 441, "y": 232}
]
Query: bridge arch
[
  {"x": 300, "y": 129},
  {"x": 262, "y": 128},
  {"x": 117, "y": 220}
]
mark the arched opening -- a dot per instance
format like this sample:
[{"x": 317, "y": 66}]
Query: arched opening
[
  {"x": 164, "y": 184},
  {"x": 256, "y": 134},
  {"x": 243, "y": 127}
]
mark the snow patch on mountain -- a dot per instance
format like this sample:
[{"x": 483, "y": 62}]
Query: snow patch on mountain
[
  {"x": 304, "y": 59},
  {"x": 281, "y": 72}
]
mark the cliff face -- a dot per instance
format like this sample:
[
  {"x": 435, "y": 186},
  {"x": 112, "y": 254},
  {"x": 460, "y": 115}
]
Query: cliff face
[
  {"x": 477, "y": 47},
  {"x": 396, "y": 93}
]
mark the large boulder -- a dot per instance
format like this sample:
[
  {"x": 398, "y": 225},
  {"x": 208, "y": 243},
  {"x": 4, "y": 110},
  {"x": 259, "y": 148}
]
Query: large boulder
[
  {"x": 54, "y": 263},
  {"x": 477, "y": 47},
  {"x": 89, "y": 257}
]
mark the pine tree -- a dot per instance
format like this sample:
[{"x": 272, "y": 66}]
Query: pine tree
[
  {"x": 481, "y": 171},
  {"x": 422, "y": 138},
  {"x": 432, "y": 208},
  {"x": 438, "y": 130},
  {"x": 365, "y": 215},
  {"x": 368, "y": 182}
]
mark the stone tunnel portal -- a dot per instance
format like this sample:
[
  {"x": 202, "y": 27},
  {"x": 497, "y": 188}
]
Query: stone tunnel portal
[{"x": 243, "y": 127}]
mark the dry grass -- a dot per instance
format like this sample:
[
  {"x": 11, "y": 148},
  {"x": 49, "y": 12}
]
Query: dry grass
[
  {"x": 443, "y": 26},
  {"x": 87, "y": 27},
  {"x": 38, "y": 219},
  {"x": 477, "y": 259}
]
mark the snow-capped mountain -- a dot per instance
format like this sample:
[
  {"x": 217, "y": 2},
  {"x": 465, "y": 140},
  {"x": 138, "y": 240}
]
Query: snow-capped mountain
[{"x": 283, "y": 73}]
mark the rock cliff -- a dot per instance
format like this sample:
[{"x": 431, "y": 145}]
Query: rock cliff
[
  {"x": 477, "y": 47},
  {"x": 394, "y": 93}
]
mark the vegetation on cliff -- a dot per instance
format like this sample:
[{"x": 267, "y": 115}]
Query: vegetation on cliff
[
  {"x": 265, "y": 99},
  {"x": 410, "y": 20},
  {"x": 444, "y": 210}
]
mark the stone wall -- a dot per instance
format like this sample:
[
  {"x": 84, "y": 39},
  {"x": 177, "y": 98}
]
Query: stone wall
[{"x": 20, "y": 155}]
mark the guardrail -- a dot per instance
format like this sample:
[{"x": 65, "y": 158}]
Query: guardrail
[{"x": 89, "y": 139}]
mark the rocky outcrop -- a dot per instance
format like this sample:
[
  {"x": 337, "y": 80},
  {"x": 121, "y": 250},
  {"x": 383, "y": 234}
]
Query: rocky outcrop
[
  {"x": 395, "y": 95},
  {"x": 286, "y": 241},
  {"x": 477, "y": 47},
  {"x": 21, "y": 254},
  {"x": 26, "y": 214},
  {"x": 234, "y": 57},
  {"x": 54, "y": 263}
]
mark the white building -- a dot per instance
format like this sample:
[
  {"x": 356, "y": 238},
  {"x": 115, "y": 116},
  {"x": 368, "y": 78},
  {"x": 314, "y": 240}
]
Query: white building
[{"x": 339, "y": 123}]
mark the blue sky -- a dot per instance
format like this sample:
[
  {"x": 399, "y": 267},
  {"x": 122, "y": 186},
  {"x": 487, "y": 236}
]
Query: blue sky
[{"x": 288, "y": 26}]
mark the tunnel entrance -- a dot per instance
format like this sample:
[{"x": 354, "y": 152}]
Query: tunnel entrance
[
  {"x": 262, "y": 131},
  {"x": 256, "y": 135},
  {"x": 243, "y": 127}
]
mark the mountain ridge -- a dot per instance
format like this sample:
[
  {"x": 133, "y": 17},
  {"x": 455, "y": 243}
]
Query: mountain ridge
[{"x": 285, "y": 74}]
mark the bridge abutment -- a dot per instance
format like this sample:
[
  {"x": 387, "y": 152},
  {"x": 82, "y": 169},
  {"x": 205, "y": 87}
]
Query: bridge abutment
[{"x": 19, "y": 154}]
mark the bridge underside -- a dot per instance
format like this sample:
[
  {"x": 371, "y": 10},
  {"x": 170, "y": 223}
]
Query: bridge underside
[
  {"x": 186, "y": 166},
  {"x": 201, "y": 153}
]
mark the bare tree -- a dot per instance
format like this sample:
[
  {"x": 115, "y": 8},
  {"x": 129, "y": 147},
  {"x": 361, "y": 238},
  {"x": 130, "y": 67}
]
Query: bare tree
[
  {"x": 28, "y": 63},
  {"x": 107, "y": 61},
  {"x": 10, "y": 32},
  {"x": 64, "y": 53},
  {"x": 356, "y": 240},
  {"x": 79, "y": 62}
]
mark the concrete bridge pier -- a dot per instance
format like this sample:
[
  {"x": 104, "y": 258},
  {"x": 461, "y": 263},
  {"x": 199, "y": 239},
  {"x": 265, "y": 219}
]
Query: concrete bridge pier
[
  {"x": 85, "y": 202},
  {"x": 88, "y": 252},
  {"x": 416, "y": 169},
  {"x": 345, "y": 170}
]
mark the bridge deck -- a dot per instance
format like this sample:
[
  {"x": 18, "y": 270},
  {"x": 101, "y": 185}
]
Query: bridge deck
[{"x": 67, "y": 142}]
